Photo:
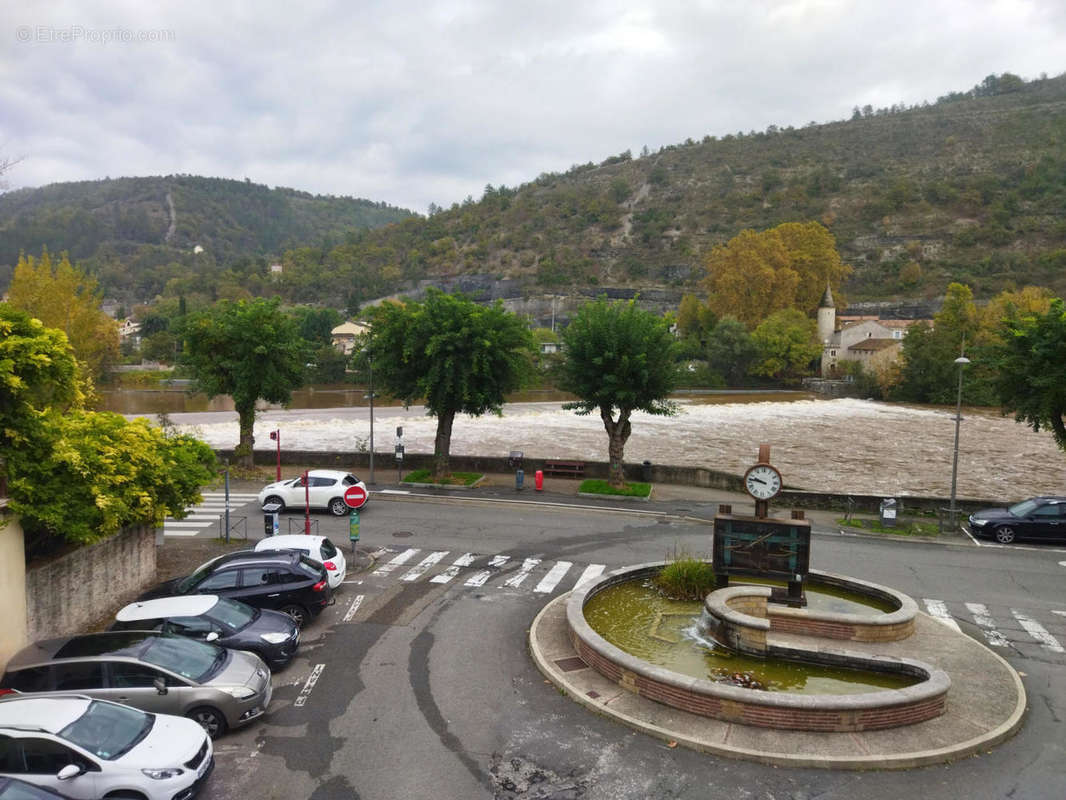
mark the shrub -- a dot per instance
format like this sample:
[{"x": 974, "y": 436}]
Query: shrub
[{"x": 685, "y": 578}]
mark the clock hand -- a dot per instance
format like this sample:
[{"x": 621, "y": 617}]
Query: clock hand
[{"x": 753, "y": 478}]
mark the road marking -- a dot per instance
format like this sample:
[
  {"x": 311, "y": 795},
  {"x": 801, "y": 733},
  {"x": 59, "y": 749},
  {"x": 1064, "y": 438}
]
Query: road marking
[
  {"x": 972, "y": 537},
  {"x": 170, "y": 532},
  {"x": 591, "y": 573},
  {"x": 1038, "y": 631},
  {"x": 515, "y": 580},
  {"x": 987, "y": 624},
  {"x": 358, "y": 601},
  {"x": 555, "y": 574},
  {"x": 397, "y": 561},
  {"x": 479, "y": 578},
  {"x": 309, "y": 684},
  {"x": 183, "y": 524},
  {"x": 232, "y": 495},
  {"x": 1062, "y": 563},
  {"x": 939, "y": 611},
  {"x": 420, "y": 568},
  {"x": 1060, "y": 613},
  {"x": 393, "y": 491},
  {"x": 199, "y": 517},
  {"x": 465, "y": 560}
]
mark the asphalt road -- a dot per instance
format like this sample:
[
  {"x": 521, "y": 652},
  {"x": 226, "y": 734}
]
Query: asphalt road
[{"x": 410, "y": 688}]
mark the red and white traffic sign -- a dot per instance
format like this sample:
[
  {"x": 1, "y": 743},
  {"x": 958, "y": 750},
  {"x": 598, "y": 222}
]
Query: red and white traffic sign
[{"x": 355, "y": 496}]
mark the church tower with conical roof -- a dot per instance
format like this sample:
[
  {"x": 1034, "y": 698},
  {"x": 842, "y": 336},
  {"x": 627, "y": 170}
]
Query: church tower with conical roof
[{"x": 827, "y": 316}]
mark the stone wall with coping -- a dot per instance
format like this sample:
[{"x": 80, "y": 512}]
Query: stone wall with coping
[{"x": 13, "y": 635}]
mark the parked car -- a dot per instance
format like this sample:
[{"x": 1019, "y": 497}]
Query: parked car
[
  {"x": 156, "y": 672},
  {"x": 318, "y": 548},
  {"x": 87, "y": 748},
  {"x": 325, "y": 489},
  {"x": 1036, "y": 519},
  {"x": 281, "y": 581},
  {"x": 14, "y": 789},
  {"x": 271, "y": 635}
]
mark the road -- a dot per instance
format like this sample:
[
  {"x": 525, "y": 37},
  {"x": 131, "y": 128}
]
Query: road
[{"x": 416, "y": 686}]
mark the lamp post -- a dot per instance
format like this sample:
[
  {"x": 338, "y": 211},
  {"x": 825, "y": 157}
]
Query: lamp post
[
  {"x": 370, "y": 394},
  {"x": 961, "y": 361}
]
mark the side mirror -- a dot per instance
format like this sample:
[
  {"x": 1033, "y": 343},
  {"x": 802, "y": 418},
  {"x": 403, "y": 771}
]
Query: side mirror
[
  {"x": 69, "y": 771},
  {"x": 160, "y": 685},
  {"x": 212, "y": 637}
]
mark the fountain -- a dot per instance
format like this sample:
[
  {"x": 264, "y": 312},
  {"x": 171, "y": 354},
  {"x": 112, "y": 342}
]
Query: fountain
[{"x": 774, "y": 646}]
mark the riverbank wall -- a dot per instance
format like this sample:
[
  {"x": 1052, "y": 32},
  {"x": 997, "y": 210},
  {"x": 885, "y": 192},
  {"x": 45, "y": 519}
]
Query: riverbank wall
[{"x": 705, "y": 477}]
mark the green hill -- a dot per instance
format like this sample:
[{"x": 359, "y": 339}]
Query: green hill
[{"x": 129, "y": 230}]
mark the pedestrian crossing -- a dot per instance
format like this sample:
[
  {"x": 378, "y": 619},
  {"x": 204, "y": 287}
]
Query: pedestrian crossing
[
  {"x": 207, "y": 514},
  {"x": 1002, "y": 630}
]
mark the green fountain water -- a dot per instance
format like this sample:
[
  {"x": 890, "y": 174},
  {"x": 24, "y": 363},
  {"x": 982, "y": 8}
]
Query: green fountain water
[{"x": 634, "y": 617}]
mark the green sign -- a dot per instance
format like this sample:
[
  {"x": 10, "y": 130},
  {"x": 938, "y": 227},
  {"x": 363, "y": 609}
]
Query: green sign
[
  {"x": 769, "y": 548},
  {"x": 353, "y": 526}
]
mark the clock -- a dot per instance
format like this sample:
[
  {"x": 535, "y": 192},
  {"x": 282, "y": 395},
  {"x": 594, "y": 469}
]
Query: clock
[{"x": 762, "y": 481}]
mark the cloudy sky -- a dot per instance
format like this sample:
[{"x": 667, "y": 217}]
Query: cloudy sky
[{"x": 412, "y": 102}]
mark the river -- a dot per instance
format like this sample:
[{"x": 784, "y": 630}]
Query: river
[{"x": 843, "y": 445}]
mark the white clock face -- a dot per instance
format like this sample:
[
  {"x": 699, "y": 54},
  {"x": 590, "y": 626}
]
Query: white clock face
[{"x": 762, "y": 481}]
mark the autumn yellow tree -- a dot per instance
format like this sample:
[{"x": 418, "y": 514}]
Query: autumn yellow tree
[
  {"x": 65, "y": 298},
  {"x": 757, "y": 273}
]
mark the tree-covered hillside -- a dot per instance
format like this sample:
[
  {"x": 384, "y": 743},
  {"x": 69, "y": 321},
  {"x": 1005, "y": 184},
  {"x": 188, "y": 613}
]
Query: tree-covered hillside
[{"x": 126, "y": 229}]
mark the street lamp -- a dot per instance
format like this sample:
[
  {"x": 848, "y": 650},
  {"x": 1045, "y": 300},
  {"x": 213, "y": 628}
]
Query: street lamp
[
  {"x": 370, "y": 394},
  {"x": 961, "y": 361}
]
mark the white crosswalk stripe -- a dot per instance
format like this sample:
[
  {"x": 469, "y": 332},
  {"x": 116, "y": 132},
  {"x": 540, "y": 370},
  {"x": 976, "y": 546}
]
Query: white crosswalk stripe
[
  {"x": 479, "y": 578},
  {"x": 465, "y": 560},
  {"x": 938, "y": 610},
  {"x": 421, "y": 567},
  {"x": 528, "y": 565},
  {"x": 396, "y": 562},
  {"x": 591, "y": 573},
  {"x": 987, "y": 625},
  {"x": 551, "y": 580},
  {"x": 1037, "y": 631}
]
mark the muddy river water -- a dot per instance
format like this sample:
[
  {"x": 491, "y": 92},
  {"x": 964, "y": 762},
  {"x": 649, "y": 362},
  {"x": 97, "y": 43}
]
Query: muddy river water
[{"x": 843, "y": 445}]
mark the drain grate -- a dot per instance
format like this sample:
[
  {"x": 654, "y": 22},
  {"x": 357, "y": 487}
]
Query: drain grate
[
  {"x": 570, "y": 664},
  {"x": 401, "y": 534}
]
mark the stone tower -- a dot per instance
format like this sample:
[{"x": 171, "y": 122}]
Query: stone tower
[{"x": 827, "y": 316}]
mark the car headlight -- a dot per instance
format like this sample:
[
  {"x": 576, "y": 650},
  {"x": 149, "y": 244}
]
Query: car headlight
[
  {"x": 163, "y": 774},
  {"x": 274, "y": 638},
  {"x": 980, "y": 523},
  {"x": 240, "y": 692}
]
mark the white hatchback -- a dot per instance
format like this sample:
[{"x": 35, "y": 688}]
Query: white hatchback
[
  {"x": 86, "y": 748},
  {"x": 317, "y": 547},
  {"x": 325, "y": 488}
]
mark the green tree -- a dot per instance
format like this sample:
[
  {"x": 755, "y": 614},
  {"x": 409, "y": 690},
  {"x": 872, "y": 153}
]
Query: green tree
[
  {"x": 1032, "y": 370},
  {"x": 249, "y": 350},
  {"x": 458, "y": 356},
  {"x": 64, "y": 297},
  {"x": 731, "y": 350},
  {"x": 619, "y": 359},
  {"x": 787, "y": 342}
]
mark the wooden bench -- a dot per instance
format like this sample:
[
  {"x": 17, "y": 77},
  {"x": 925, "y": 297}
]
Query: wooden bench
[{"x": 575, "y": 468}]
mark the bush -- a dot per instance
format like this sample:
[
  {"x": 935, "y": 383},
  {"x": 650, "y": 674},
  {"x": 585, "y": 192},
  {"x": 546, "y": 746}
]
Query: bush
[
  {"x": 597, "y": 486},
  {"x": 685, "y": 578}
]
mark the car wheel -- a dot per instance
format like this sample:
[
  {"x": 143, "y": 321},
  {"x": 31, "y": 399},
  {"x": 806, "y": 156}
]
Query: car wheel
[
  {"x": 124, "y": 796},
  {"x": 210, "y": 719},
  {"x": 337, "y": 507},
  {"x": 297, "y": 612},
  {"x": 1005, "y": 534},
  {"x": 275, "y": 499}
]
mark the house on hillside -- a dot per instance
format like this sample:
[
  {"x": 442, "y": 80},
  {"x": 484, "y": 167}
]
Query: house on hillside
[
  {"x": 345, "y": 334},
  {"x": 875, "y": 343}
]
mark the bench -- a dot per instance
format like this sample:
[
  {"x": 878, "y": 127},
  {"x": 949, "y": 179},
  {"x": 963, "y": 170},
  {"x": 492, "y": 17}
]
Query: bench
[{"x": 575, "y": 468}]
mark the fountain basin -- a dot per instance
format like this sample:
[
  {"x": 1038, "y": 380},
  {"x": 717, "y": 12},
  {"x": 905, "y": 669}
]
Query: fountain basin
[{"x": 853, "y": 712}]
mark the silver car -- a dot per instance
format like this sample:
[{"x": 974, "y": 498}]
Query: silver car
[{"x": 154, "y": 672}]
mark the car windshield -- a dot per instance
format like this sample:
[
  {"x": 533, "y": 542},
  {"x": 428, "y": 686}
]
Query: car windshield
[
  {"x": 197, "y": 661},
  {"x": 108, "y": 730},
  {"x": 310, "y": 568},
  {"x": 232, "y": 614},
  {"x": 1024, "y": 508},
  {"x": 197, "y": 575}
]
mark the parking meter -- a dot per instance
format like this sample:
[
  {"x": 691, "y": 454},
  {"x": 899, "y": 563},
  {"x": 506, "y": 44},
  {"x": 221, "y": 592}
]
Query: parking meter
[{"x": 271, "y": 519}]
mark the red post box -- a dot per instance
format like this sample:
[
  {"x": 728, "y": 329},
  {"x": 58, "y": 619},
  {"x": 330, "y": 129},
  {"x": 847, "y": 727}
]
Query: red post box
[{"x": 538, "y": 480}]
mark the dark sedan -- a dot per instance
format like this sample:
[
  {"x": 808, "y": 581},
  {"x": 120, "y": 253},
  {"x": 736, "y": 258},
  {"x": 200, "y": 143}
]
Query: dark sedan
[
  {"x": 271, "y": 635},
  {"x": 1035, "y": 519}
]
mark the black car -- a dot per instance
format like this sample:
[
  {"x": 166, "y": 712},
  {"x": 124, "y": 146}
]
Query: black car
[
  {"x": 271, "y": 635},
  {"x": 1037, "y": 519},
  {"x": 14, "y": 789},
  {"x": 283, "y": 581}
]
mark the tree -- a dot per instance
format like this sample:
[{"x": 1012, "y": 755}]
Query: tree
[
  {"x": 755, "y": 274},
  {"x": 619, "y": 358},
  {"x": 458, "y": 356},
  {"x": 1032, "y": 370},
  {"x": 248, "y": 350},
  {"x": 731, "y": 351},
  {"x": 64, "y": 297},
  {"x": 787, "y": 342}
]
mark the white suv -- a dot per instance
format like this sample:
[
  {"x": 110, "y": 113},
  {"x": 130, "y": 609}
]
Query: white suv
[{"x": 88, "y": 748}]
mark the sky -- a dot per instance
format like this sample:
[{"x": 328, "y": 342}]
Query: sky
[{"x": 419, "y": 102}]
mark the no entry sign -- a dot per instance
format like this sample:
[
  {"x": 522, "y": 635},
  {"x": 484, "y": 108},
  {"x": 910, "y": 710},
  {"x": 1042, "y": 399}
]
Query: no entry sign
[{"x": 355, "y": 496}]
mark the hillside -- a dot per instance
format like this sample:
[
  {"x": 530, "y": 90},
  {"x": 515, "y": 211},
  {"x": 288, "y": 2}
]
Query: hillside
[
  {"x": 969, "y": 188},
  {"x": 128, "y": 230}
]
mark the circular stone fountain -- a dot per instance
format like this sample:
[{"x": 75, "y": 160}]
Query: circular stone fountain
[{"x": 740, "y": 617}]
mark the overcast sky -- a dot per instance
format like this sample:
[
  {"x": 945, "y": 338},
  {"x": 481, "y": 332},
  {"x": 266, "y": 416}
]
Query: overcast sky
[{"x": 412, "y": 102}]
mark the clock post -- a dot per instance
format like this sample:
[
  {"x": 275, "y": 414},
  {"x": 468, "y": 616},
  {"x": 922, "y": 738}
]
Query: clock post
[{"x": 763, "y": 546}]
